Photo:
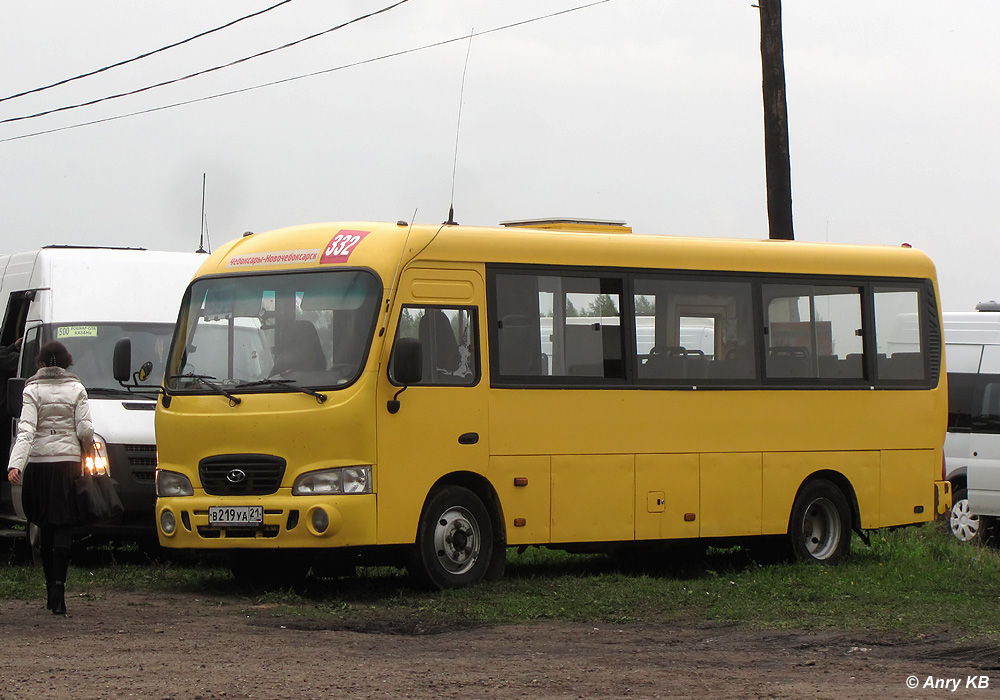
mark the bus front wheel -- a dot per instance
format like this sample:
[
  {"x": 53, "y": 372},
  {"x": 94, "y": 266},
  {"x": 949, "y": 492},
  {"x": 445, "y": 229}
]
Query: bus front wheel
[
  {"x": 454, "y": 544},
  {"x": 820, "y": 526}
]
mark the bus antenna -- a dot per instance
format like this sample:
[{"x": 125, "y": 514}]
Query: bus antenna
[
  {"x": 458, "y": 130},
  {"x": 204, "y": 223}
]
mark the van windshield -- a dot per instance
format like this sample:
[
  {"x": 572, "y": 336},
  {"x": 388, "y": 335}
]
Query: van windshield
[
  {"x": 266, "y": 332},
  {"x": 92, "y": 346}
]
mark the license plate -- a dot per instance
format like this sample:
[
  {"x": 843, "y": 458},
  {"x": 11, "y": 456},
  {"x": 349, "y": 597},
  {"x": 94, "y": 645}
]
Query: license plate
[{"x": 236, "y": 516}]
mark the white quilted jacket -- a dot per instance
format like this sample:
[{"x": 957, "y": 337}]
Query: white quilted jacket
[{"x": 55, "y": 418}]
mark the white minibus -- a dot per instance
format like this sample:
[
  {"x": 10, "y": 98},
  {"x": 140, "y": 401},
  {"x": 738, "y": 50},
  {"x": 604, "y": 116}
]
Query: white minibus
[
  {"x": 88, "y": 298},
  {"x": 972, "y": 446}
]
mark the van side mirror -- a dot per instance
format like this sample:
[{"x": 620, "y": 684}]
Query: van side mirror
[
  {"x": 15, "y": 396},
  {"x": 407, "y": 367},
  {"x": 122, "y": 360}
]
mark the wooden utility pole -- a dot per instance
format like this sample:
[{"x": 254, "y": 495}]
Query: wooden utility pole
[{"x": 777, "y": 164}]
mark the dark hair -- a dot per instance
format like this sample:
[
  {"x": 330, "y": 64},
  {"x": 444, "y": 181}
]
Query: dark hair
[{"x": 54, "y": 354}]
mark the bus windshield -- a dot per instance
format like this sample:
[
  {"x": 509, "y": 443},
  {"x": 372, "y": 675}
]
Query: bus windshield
[
  {"x": 265, "y": 332},
  {"x": 92, "y": 345}
]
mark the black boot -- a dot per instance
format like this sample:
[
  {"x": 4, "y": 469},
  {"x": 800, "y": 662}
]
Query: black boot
[
  {"x": 57, "y": 598},
  {"x": 46, "y": 551},
  {"x": 60, "y": 565}
]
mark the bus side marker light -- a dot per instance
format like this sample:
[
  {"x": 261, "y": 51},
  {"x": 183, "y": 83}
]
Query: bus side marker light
[
  {"x": 689, "y": 517},
  {"x": 520, "y": 481},
  {"x": 918, "y": 509},
  {"x": 520, "y": 522}
]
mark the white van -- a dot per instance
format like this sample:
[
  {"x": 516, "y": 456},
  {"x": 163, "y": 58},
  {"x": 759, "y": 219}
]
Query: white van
[
  {"x": 88, "y": 298},
  {"x": 972, "y": 446}
]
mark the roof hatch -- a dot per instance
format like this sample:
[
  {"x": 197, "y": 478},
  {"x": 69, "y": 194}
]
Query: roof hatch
[{"x": 563, "y": 224}]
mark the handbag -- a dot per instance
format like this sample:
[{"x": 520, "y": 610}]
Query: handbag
[{"x": 98, "y": 498}]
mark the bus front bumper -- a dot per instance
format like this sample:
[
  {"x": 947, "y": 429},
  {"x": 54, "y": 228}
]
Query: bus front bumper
[{"x": 288, "y": 521}]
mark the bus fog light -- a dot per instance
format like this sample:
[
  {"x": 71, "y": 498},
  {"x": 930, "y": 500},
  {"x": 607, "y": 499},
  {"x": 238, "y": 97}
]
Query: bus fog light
[
  {"x": 168, "y": 523},
  {"x": 323, "y": 521},
  {"x": 320, "y": 520}
]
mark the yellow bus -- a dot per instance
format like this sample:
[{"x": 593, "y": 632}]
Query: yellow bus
[{"x": 432, "y": 395}]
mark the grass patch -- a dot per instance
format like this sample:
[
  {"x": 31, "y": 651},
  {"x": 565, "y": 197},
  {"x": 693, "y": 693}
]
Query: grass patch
[{"x": 910, "y": 581}]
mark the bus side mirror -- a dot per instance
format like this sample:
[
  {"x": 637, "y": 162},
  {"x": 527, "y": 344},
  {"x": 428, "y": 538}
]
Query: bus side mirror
[
  {"x": 407, "y": 367},
  {"x": 15, "y": 396},
  {"x": 122, "y": 360},
  {"x": 408, "y": 361}
]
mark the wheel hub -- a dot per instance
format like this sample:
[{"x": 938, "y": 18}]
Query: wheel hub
[{"x": 457, "y": 540}]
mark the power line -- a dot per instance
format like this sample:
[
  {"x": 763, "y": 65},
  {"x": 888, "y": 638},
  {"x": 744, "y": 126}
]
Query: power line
[
  {"x": 202, "y": 72},
  {"x": 307, "y": 75},
  {"x": 143, "y": 55}
]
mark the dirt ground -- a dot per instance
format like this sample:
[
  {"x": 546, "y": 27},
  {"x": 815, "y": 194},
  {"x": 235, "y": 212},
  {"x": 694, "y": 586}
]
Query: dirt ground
[{"x": 189, "y": 648}]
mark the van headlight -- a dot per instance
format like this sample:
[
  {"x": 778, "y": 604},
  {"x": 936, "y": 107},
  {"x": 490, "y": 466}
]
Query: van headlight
[
  {"x": 97, "y": 462},
  {"x": 170, "y": 484},
  {"x": 334, "y": 481}
]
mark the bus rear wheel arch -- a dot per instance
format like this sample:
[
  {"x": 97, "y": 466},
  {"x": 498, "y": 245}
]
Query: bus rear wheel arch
[
  {"x": 455, "y": 545},
  {"x": 819, "y": 528}
]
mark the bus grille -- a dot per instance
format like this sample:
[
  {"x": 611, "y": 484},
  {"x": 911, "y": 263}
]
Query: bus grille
[{"x": 241, "y": 475}]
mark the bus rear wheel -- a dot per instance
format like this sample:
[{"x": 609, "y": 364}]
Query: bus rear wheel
[
  {"x": 454, "y": 544},
  {"x": 820, "y": 526}
]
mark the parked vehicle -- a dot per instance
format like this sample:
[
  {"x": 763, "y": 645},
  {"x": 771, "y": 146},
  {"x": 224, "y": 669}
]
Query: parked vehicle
[
  {"x": 972, "y": 446},
  {"x": 439, "y": 393},
  {"x": 88, "y": 298}
]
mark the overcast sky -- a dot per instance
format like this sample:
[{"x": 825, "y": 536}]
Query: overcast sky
[{"x": 644, "y": 111}]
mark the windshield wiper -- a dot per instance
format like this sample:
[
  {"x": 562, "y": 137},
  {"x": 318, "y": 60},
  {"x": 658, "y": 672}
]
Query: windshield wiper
[
  {"x": 206, "y": 380},
  {"x": 286, "y": 384}
]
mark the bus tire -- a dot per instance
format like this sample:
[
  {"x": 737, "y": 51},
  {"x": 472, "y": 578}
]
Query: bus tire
[
  {"x": 965, "y": 526},
  {"x": 454, "y": 546},
  {"x": 819, "y": 529}
]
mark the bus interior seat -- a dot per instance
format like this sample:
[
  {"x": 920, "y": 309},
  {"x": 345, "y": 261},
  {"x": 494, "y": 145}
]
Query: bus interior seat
[
  {"x": 300, "y": 350},
  {"x": 829, "y": 366},
  {"x": 440, "y": 347},
  {"x": 788, "y": 362},
  {"x": 584, "y": 350},
  {"x": 663, "y": 363},
  {"x": 853, "y": 366},
  {"x": 901, "y": 365},
  {"x": 520, "y": 346}
]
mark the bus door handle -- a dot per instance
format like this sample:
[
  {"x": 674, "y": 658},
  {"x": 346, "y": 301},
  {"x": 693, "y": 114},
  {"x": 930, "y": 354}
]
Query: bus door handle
[{"x": 468, "y": 438}]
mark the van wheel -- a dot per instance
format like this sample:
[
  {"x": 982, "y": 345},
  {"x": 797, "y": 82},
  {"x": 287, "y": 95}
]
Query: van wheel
[
  {"x": 454, "y": 544},
  {"x": 820, "y": 526},
  {"x": 965, "y": 526}
]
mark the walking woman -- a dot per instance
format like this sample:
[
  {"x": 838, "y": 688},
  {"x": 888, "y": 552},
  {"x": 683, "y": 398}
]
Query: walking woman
[{"x": 54, "y": 433}]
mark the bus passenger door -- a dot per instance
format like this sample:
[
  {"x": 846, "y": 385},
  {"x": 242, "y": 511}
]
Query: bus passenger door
[{"x": 440, "y": 427}]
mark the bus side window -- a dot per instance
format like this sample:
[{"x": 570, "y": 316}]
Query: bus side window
[{"x": 448, "y": 343}]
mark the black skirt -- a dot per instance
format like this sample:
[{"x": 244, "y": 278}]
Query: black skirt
[{"x": 48, "y": 493}]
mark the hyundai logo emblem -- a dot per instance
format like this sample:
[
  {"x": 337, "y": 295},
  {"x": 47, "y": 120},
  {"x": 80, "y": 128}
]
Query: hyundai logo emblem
[{"x": 236, "y": 476}]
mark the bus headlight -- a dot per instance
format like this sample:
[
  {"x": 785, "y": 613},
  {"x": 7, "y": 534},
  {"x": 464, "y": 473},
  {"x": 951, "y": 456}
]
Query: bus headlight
[
  {"x": 97, "y": 462},
  {"x": 334, "y": 481},
  {"x": 172, "y": 484}
]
